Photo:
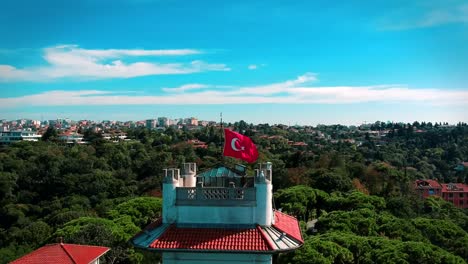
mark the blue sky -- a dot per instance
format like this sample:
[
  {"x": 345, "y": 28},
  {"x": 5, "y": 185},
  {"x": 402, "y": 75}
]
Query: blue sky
[{"x": 291, "y": 62}]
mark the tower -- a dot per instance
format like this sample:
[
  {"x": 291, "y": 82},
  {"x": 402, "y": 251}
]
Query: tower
[{"x": 221, "y": 215}]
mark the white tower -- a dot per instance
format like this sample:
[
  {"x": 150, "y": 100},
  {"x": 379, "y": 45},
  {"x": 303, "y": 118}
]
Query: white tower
[
  {"x": 264, "y": 189},
  {"x": 170, "y": 183}
]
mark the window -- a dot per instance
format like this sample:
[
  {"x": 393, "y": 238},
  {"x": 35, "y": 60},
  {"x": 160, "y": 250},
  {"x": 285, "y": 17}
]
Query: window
[
  {"x": 461, "y": 195},
  {"x": 431, "y": 191},
  {"x": 450, "y": 195},
  {"x": 461, "y": 202}
]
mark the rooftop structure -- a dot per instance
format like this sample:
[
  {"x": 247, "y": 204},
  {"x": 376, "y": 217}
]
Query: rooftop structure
[
  {"x": 219, "y": 216},
  {"x": 64, "y": 254}
]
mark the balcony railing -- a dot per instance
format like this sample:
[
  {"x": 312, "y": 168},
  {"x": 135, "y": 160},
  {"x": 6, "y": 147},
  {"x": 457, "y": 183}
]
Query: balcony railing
[{"x": 215, "y": 196}]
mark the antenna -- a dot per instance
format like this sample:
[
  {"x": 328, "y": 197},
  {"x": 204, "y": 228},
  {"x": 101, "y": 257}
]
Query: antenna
[{"x": 221, "y": 117}]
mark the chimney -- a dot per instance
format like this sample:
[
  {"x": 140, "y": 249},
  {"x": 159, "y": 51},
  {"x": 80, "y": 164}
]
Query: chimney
[
  {"x": 264, "y": 194},
  {"x": 189, "y": 174}
]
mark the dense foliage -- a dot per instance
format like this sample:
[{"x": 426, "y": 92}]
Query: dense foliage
[{"x": 357, "y": 185}]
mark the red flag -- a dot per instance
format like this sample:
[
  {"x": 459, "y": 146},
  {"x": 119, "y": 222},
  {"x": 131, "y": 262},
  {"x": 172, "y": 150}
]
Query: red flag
[{"x": 239, "y": 146}]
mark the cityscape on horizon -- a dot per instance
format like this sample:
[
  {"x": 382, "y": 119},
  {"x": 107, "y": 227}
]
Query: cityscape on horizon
[{"x": 290, "y": 63}]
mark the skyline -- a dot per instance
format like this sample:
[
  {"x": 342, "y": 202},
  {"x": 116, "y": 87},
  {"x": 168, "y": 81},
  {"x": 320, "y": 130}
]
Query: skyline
[{"x": 262, "y": 62}]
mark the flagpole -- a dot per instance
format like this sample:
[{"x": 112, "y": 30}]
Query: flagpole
[{"x": 222, "y": 131}]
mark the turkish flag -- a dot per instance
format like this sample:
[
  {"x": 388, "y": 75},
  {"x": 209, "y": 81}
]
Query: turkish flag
[{"x": 239, "y": 146}]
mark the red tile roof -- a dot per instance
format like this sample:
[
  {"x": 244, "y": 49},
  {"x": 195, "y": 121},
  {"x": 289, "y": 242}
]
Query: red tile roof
[
  {"x": 454, "y": 187},
  {"x": 244, "y": 239},
  {"x": 428, "y": 183},
  {"x": 288, "y": 225},
  {"x": 62, "y": 253}
]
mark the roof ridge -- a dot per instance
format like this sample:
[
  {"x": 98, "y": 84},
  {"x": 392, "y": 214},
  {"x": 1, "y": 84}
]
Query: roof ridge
[
  {"x": 290, "y": 216},
  {"x": 265, "y": 238},
  {"x": 149, "y": 227},
  {"x": 68, "y": 253}
]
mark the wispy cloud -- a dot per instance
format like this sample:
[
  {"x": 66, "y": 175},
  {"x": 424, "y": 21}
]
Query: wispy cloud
[
  {"x": 295, "y": 91},
  {"x": 185, "y": 87},
  {"x": 71, "y": 61},
  {"x": 255, "y": 66},
  {"x": 195, "y": 87},
  {"x": 426, "y": 14}
]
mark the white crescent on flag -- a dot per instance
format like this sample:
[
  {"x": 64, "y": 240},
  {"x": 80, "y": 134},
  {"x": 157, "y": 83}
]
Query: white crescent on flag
[{"x": 233, "y": 145}]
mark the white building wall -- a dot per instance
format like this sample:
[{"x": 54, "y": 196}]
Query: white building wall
[{"x": 214, "y": 258}]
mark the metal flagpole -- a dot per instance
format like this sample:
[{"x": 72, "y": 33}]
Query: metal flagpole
[{"x": 222, "y": 131}]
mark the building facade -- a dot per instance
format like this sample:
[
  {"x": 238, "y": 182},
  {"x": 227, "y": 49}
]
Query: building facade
[
  {"x": 219, "y": 216},
  {"x": 9, "y": 137},
  {"x": 70, "y": 137},
  {"x": 455, "y": 193}
]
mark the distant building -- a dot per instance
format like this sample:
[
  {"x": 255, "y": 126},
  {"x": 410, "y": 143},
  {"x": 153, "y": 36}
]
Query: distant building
[
  {"x": 163, "y": 122},
  {"x": 64, "y": 254},
  {"x": 193, "y": 121},
  {"x": 456, "y": 193},
  {"x": 197, "y": 143},
  {"x": 71, "y": 137},
  {"x": 9, "y": 137},
  {"x": 203, "y": 123},
  {"x": 219, "y": 216},
  {"x": 151, "y": 123},
  {"x": 297, "y": 144},
  {"x": 120, "y": 136}
]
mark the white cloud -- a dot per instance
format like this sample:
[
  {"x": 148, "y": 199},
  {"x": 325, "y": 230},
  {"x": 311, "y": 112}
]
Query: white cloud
[
  {"x": 427, "y": 14},
  {"x": 194, "y": 86},
  {"x": 115, "y": 53},
  {"x": 296, "y": 91},
  {"x": 256, "y": 66},
  {"x": 185, "y": 87},
  {"x": 70, "y": 61}
]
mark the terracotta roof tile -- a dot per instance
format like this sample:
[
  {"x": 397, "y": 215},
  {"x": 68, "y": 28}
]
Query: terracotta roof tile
[
  {"x": 62, "y": 253},
  {"x": 288, "y": 225},
  {"x": 428, "y": 183},
  {"x": 245, "y": 239}
]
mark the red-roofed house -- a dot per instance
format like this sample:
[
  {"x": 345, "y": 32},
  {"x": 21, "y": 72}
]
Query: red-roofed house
[
  {"x": 197, "y": 143},
  {"x": 456, "y": 193},
  {"x": 63, "y": 254},
  {"x": 427, "y": 188},
  {"x": 208, "y": 222}
]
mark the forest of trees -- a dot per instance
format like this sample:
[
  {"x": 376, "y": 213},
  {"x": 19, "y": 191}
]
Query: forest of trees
[{"x": 102, "y": 193}]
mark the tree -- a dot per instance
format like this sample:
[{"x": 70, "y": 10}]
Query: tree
[
  {"x": 445, "y": 234},
  {"x": 300, "y": 200},
  {"x": 102, "y": 232},
  {"x": 330, "y": 181},
  {"x": 51, "y": 134},
  {"x": 142, "y": 210}
]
